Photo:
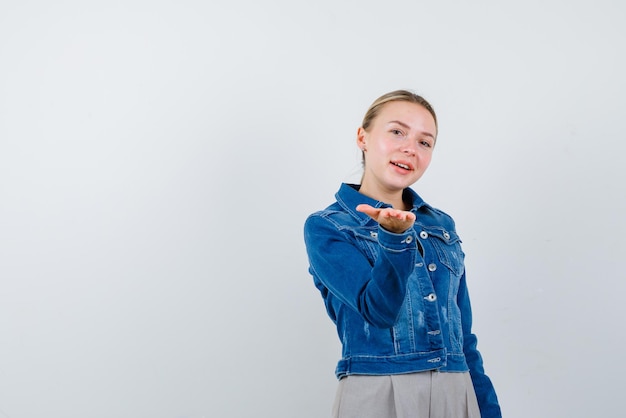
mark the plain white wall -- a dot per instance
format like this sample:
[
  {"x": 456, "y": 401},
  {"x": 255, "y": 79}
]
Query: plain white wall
[{"x": 158, "y": 159}]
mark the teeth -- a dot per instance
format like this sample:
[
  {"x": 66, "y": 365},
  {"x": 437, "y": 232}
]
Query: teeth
[{"x": 406, "y": 167}]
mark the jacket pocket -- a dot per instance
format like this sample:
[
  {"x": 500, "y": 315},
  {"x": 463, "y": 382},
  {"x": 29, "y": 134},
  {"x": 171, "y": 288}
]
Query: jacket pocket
[{"x": 447, "y": 244}]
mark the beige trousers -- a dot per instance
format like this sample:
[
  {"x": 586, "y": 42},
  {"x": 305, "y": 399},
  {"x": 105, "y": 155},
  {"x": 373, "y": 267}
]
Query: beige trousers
[{"x": 429, "y": 394}]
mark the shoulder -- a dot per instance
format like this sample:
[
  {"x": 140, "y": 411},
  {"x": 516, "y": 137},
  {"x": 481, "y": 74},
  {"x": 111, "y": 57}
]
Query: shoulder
[
  {"x": 428, "y": 215},
  {"x": 334, "y": 215},
  {"x": 440, "y": 213}
]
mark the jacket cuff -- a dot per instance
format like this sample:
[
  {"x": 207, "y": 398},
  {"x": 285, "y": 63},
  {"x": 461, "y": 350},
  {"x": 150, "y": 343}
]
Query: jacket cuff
[{"x": 397, "y": 242}]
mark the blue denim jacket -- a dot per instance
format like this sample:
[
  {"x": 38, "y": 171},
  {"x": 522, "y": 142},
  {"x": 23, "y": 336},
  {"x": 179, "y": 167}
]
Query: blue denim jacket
[{"x": 399, "y": 301}]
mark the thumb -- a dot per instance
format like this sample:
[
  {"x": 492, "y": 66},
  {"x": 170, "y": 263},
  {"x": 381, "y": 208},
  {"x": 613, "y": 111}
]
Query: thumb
[{"x": 367, "y": 209}]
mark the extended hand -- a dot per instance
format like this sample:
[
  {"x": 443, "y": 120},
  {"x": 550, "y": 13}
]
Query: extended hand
[{"x": 392, "y": 220}]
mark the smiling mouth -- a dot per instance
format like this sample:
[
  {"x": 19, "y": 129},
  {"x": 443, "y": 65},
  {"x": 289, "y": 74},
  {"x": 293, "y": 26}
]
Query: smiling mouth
[{"x": 404, "y": 166}]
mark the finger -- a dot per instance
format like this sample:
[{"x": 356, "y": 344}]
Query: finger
[
  {"x": 363, "y": 207},
  {"x": 392, "y": 214},
  {"x": 400, "y": 214},
  {"x": 368, "y": 210}
]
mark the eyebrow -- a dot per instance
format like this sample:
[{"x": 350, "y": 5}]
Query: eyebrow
[{"x": 404, "y": 125}]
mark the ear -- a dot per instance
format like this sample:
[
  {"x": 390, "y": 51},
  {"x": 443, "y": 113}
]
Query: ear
[{"x": 361, "y": 139}]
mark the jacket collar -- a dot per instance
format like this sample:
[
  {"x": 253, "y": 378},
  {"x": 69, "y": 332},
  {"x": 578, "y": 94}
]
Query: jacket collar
[{"x": 349, "y": 197}]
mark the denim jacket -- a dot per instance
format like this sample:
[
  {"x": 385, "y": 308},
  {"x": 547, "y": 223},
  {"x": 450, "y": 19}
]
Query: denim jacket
[{"x": 399, "y": 301}]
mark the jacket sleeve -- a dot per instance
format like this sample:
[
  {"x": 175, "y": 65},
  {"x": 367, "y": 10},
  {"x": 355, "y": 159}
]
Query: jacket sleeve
[
  {"x": 485, "y": 392},
  {"x": 375, "y": 292}
]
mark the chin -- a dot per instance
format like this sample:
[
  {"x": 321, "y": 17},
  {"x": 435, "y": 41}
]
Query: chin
[
  {"x": 403, "y": 182},
  {"x": 403, "y": 185}
]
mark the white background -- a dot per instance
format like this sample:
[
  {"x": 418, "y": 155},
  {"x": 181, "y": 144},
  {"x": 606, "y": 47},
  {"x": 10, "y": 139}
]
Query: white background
[{"x": 158, "y": 159}]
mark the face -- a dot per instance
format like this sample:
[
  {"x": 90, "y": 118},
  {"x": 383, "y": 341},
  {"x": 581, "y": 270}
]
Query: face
[{"x": 398, "y": 147}]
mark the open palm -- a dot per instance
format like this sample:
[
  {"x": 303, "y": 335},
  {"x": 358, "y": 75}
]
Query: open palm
[{"x": 392, "y": 220}]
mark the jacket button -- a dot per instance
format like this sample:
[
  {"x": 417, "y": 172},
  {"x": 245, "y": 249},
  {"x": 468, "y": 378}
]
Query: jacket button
[
  {"x": 373, "y": 234},
  {"x": 431, "y": 298},
  {"x": 446, "y": 235},
  {"x": 420, "y": 264},
  {"x": 432, "y": 267},
  {"x": 423, "y": 235},
  {"x": 409, "y": 239}
]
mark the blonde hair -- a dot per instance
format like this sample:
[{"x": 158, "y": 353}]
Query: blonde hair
[{"x": 395, "y": 96}]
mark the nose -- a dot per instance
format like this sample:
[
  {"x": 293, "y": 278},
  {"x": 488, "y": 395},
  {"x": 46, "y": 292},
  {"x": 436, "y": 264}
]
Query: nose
[{"x": 409, "y": 147}]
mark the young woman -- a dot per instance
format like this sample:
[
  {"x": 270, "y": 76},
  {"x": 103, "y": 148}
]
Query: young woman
[{"x": 390, "y": 270}]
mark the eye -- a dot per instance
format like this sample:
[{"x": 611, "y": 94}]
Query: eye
[
  {"x": 426, "y": 144},
  {"x": 397, "y": 132}
]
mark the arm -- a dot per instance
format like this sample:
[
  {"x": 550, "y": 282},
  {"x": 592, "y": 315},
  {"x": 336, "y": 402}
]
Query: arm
[
  {"x": 485, "y": 392},
  {"x": 375, "y": 292}
]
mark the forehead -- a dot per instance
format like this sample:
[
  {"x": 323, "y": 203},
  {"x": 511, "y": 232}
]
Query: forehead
[{"x": 411, "y": 114}]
